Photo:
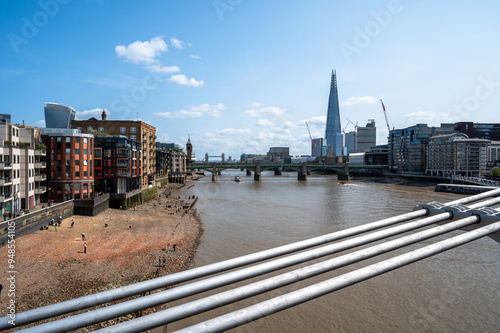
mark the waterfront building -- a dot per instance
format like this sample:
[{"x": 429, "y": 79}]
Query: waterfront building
[
  {"x": 489, "y": 131},
  {"x": 21, "y": 171},
  {"x": 333, "y": 134},
  {"x": 278, "y": 155},
  {"x": 377, "y": 155},
  {"x": 366, "y": 137},
  {"x": 134, "y": 130},
  {"x": 252, "y": 158},
  {"x": 407, "y": 146},
  {"x": 494, "y": 155},
  {"x": 58, "y": 115},
  {"x": 456, "y": 154},
  {"x": 70, "y": 163},
  {"x": 117, "y": 166},
  {"x": 171, "y": 163}
]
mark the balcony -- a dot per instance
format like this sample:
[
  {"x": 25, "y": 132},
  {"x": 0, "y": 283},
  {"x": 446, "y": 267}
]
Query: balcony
[
  {"x": 7, "y": 165},
  {"x": 6, "y": 181},
  {"x": 41, "y": 177},
  {"x": 40, "y": 165},
  {"x": 41, "y": 190},
  {"x": 122, "y": 164},
  {"x": 40, "y": 152},
  {"x": 5, "y": 197}
]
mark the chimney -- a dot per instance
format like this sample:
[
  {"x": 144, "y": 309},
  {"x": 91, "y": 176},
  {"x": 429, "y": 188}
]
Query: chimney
[{"x": 104, "y": 116}]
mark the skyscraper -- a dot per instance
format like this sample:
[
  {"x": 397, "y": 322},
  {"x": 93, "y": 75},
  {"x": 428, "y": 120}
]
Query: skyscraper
[
  {"x": 333, "y": 133},
  {"x": 58, "y": 115}
]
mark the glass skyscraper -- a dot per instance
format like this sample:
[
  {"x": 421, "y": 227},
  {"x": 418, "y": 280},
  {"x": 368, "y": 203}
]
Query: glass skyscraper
[
  {"x": 58, "y": 115},
  {"x": 333, "y": 133}
]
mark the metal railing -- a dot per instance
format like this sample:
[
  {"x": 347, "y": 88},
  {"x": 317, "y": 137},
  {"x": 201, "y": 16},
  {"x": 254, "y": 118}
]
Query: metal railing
[{"x": 462, "y": 217}]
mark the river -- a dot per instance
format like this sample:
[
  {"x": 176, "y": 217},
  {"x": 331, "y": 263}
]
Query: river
[{"x": 456, "y": 291}]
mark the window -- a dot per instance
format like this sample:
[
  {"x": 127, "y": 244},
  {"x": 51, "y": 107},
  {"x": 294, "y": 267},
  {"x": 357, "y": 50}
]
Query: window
[
  {"x": 77, "y": 174},
  {"x": 133, "y": 130},
  {"x": 97, "y": 153},
  {"x": 85, "y": 152},
  {"x": 89, "y": 128},
  {"x": 84, "y": 162},
  {"x": 77, "y": 162},
  {"x": 84, "y": 140},
  {"x": 123, "y": 130},
  {"x": 77, "y": 187},
  {"x": 68, "y": 151},
  {"x": 100, "y": 129},
  {"x": 85, "y": 174},
  {"x": 85, "y": 186},
  {"x": 77, "y": 140},
  {"x": 133, "y": 137},
  {"x": 58, "y": 139},
  {"x": 68, "y": 139},
  {"x": 77, "y": 151}
]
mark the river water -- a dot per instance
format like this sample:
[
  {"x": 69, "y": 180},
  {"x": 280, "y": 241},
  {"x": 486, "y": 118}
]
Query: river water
[{"x": 456, "y": 291}]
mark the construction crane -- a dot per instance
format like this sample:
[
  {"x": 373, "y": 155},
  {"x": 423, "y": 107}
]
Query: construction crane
[
  {"x": 310, "y": 137},
  {"x": 355, "y": 132},
  {"x": 385, "y": 115}
]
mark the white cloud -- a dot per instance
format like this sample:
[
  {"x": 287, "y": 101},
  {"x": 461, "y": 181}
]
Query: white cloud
[
  {"x": 163, "y": 69},
  {"x": 194, "y": 112},
  {"x": 255, "y": 105},
  {"x": 40, "y": 124},
  {"x": 183, "y": 80},
  {"x": 178, "y": 43},
  {"x": 194, "y": 56},
  {"x": 264, "y": 123},
  {"x": 269, "y": 111},
  {"x": 142, "y": 52},
  {"x": 428, "y": 116},
  {"x": 359, "y": 100},
  {"x": 86, "y": 114},
  {"x": 232, "y": 131}
]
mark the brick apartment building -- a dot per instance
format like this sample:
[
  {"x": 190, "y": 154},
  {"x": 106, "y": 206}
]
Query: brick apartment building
[{"x": 133, "y": 129}]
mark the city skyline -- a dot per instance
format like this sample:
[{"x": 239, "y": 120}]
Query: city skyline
[{"x": 243, "y": 76}]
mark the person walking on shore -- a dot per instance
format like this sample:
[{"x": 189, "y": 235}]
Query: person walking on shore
[
  {"x": 83, "y": 236},
  {"x": 175, "y": 246},
  {"x": 85, "y": 247},
  {"x": 159, "y": 261},
  {"x": 72, "y": 223},
  {"x": 163, "y": 261}
]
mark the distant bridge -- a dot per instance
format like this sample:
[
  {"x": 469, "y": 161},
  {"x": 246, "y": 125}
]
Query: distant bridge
[{"x": 303, "y": 169}]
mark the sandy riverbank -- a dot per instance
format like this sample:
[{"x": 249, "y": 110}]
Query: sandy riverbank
[{"x": 52, "y": 266}]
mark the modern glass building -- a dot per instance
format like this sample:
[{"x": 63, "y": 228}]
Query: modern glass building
[
  {"x": 58, "y": 115},
  {"x": 333, "y": 133}
]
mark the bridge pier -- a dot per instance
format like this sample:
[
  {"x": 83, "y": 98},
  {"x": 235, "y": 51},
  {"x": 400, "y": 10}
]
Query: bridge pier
[
  {"x": 302, "y": 176},
  {"x": 343, "y": 176},
  {"x": 257, "y": 175},
  {"x": 277, "y": 171},
  {"x": 214, "y": 173},
  {"x": 249, "y": 173}
]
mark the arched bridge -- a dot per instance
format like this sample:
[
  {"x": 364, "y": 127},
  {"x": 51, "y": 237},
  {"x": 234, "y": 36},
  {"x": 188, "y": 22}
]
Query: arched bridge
[{"x": 303, "y": 169}]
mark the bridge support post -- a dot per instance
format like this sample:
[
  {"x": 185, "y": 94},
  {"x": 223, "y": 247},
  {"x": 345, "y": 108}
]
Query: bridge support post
[
  {"x": 303, "y": 172},
  {"x": 343, "y": 176},
  {"x": 249, "y": 173},
  {"x": 214, "y": 173},
  {"x": 277, "y": 171},
  {"x": 257, "y": 175}
]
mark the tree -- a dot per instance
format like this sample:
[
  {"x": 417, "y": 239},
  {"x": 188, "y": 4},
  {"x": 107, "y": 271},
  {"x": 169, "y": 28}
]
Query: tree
[{"x": 495, "y": 172}]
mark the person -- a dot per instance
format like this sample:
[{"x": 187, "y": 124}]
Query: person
[
  {"x": 85, "y": 247},
  {"x": 5, "y": 216},
  {"x": 83, "y": 236},
  {"x": 1, "y": 287},
  {"x": 159, "y": 261},
  {"x": 72, "y": 223},
  {"x": 164, "y": 260},
  {"x": 129, "y": 226},
  {"x": 175, "y": 246}
]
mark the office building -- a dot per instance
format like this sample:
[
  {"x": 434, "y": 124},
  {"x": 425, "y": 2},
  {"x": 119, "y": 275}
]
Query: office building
[
  {"x": 278, "y": 155},
  {"x": 350, "y": 142},
  {"x": 333, "y": 134},
  {"x": 132, "y": 129},
  {"x": 317, "y": 147},
  {"x": 489, "y": 131},
  {"x": 366, "y": 137},
  {"x": 70, "y": 163},
  {"x": 58, "y": 115}
]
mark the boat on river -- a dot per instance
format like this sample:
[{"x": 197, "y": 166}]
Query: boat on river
[{"x": 237, "y": 179}]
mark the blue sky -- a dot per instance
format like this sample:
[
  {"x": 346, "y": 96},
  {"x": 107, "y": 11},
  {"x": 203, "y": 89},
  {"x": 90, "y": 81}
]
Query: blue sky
[{"x": 243, "y": 76}]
